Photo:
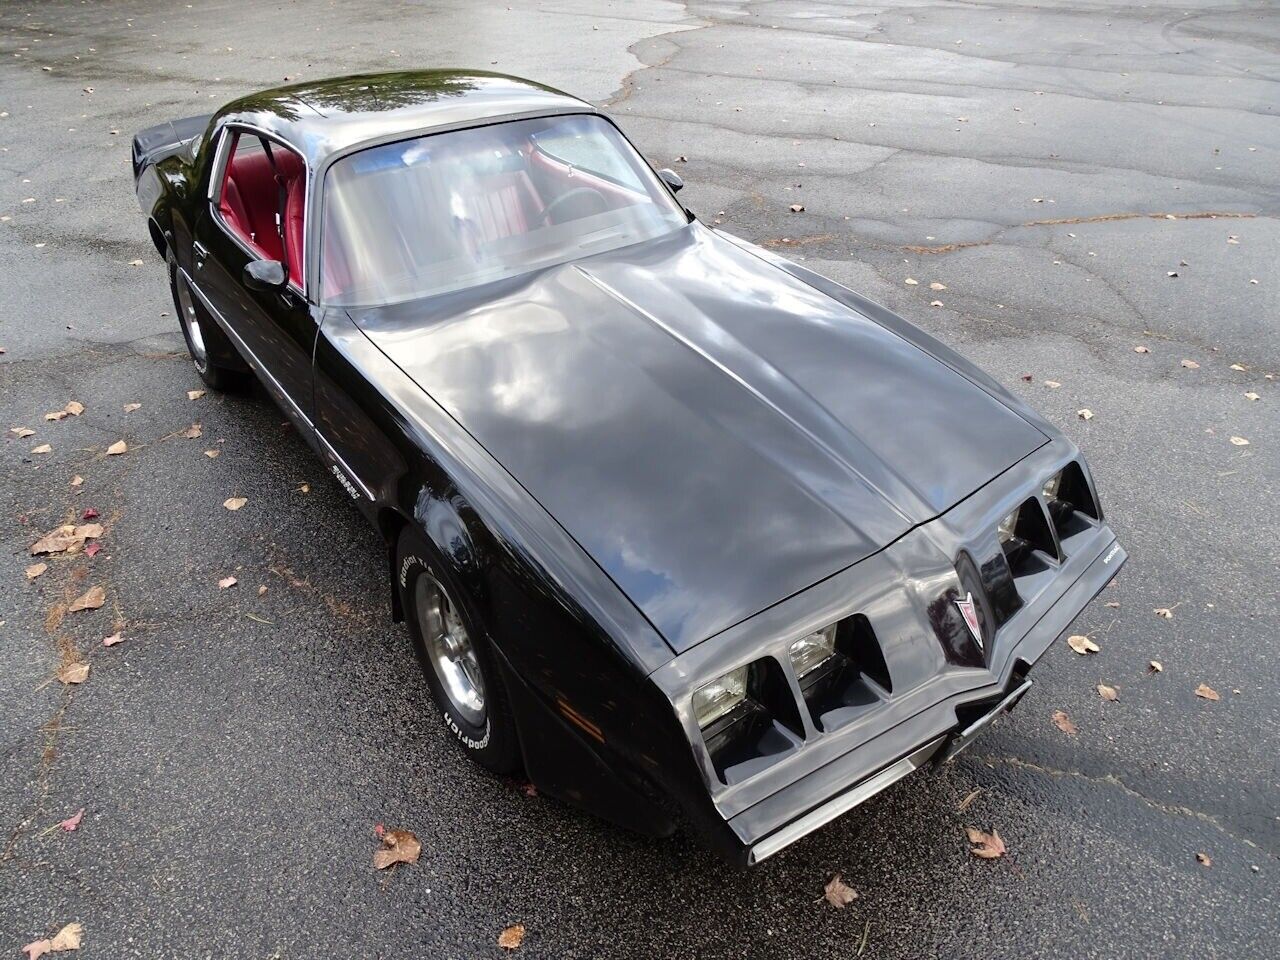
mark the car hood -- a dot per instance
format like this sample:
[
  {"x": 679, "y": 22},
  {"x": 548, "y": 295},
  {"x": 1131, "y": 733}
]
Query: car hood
[{"x": 714, "y": 432}]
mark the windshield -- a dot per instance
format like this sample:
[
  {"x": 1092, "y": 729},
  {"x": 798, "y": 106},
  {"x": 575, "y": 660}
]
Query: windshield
[{"x": 453, "y": 210}]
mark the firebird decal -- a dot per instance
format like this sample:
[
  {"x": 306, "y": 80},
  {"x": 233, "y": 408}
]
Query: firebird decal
[{"x": 970, "y": 613}]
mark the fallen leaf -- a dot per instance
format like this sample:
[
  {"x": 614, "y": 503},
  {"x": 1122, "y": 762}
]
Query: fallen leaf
[
  {"x": 304, "y": 488},
  {"x": 838, "y": 893},
  {"x": 937, "y": 286},
  {"x": 1163, "y": 613},
  {"x": 1155, "y": 666},
  {"x": 1172, "y": 273},
  {"x": 130, "y": 407},
  {"x": 56, "y": 415},
  {"x": 212, "y": 454},
  {"x": 399, "y": 846},
  {"x": 227, "y": 582},
  {"x": 112, "y": 640},
  {"x": 1026, "y": 377},
  {"x": 797, "y": 208},
  {"x": 911, "y": 282},
  {"x": 117, "y": 448},
  {"x": 135, "y": 263},
  {"x": 72, "y": 822},
  {"x": 1082, "y": 645},
  {"x": 35, "y": 570},
  {"x": 68, "y": 938},
  {"x": 22, "y": 432},
  {"x": 379, "y": 829},
  {"x": 77, "y": 480},
  {"x": 194, "y": 394},
  {"x": 969, "y": 798},
  {"x": 936, "y": 303},
  {"x": 1052, "y": 384},
  {"x": 1108, "y": 693},
  {"x": 1113, "y": 604},
  {"x": 262, "y": 590},
  {"x": 92, "y": 549},
  {"x": 1065, "y": 723},
  {"x": 1191, "y": 364},
  {"x": 91, "y": 599},
  {"x": 1252, "y": 396},
  {"x": 512, "y": 937},
  {"x": 57, "y": 540},
  {"x": 235, "y": 503},
  {"x": 74, "y": 407},
  {"x": 1241, "y": 368},
  {"x": 74, "y": 673},
  {"x": 1238, "y": 441},
  {"x": 88, "y": 531},
  {"x": 192, "y": 432},
  {"x": 42, "y": 449},
  {"x": 1204, "y": 859},
  {"x": 1207, "y": 692},
  {"x": 986, "y": 846},
  {"x": 1141, "y": 349},
  {"x": 1085, "y": 414}
]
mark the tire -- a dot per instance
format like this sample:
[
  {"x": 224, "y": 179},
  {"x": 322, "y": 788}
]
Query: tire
[
  {"x": 456, "y": 658},
  {"x": 202, "y": 337}
]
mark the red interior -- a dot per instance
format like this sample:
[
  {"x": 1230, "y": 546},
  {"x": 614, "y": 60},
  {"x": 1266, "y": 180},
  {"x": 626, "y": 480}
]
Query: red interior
[{"x": 250, "y": 197}]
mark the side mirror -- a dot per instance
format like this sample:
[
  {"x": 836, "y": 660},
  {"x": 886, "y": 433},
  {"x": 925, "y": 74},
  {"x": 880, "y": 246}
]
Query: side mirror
[
  {"x": 671, "y": 179},
  {"x": 265, "y": 275}
]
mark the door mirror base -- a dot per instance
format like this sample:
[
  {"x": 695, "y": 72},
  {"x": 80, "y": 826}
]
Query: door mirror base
[
  {"x": 671, "y": 179},
  {"x": 265, "y": 275}
]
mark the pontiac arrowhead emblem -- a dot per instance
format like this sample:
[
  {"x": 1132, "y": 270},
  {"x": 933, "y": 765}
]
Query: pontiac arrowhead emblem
[{"x": 969, "y": 611}]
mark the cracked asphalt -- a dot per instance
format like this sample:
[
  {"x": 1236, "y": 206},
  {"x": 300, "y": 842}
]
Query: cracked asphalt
[{"x": 1051, "y": 165}]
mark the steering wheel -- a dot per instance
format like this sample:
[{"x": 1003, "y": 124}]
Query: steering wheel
[{"x": 586, "y": 200}]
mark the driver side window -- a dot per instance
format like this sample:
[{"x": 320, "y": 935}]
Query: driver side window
[{"x": 262, "y": 197}]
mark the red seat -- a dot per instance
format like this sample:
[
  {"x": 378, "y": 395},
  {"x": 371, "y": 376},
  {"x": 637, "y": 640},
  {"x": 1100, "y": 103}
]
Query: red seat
[{"x": 251, "y": 197}]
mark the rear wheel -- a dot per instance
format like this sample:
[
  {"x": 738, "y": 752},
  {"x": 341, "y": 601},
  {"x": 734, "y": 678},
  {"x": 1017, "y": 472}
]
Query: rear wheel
[
  {"x": 456, "y": 659},
  {"x": 201, "y": 335}
]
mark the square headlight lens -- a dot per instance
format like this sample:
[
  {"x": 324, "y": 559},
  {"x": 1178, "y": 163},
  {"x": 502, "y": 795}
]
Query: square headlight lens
[
  {"x": 717, "y": 698},
  {"x": 1007, "y": 527},
  {"x": 1052, "y": 486},
  {"x": 810, "y": 652}
]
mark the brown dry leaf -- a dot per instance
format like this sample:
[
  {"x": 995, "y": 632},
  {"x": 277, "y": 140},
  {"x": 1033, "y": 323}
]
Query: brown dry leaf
[
  {"x": 1207, "y": 692},
  {"x": 56, "y": 415},
  {"x": 969, "y": 798},
  {"x": 77, "y": 480},
  {"x": 796, "y": 208},
  {"x": 1155, "y": 666},
  {"x": 192, "y": 432},
  {"x": 512, "y": 937},
  {"x": 89, "y": 531},
  {"x": 68, "y": 938},
  {"x": 1082, "y": 645},
  {"x": 936, "y": 303},
  {"x": 22, "y": 432},
  {"x": 838, "y": 893},
  {"x": 1163, "y": 613},
  {"x": 986, "y": 846},
  {"x": 1113, "y": 604},
  {"x": 1108, "y": 693},
  {"x": 74, "y": 673},
  {"x": 1204, "y": 859},
  {"x": 1190, "y": 365},
  {"x": 212, "y": 454},
  {"x": 194, "y": 394},
  {"x": 74, "y": 407},
  {"x": 42, "y": 449},
  {"x": 112, "y": 640},
  {"x": 1065, "y": 723},
  {"x": 1141, "y": 349},
  {"x": 1238, "y": 441},
  {"x": 117, "y": 448},
  {"x": 72, "y": 823},
  {"x": 130, "y": 407},
  {"x": 35, "y": 570},
  {"x": 262, "y": 590},
  {"x": 937, "y": 286},
  {"x": 1250, "y": 395},
  {"x": 911, "y": 282},
  {"x": 91, "y": 599},
  {"x": 1052, "y": 384},
  {"x": 226, "y": 582},
  {"x": 399, "y": 846},
  {"x": 235, "y": 503},
  {"x": 1085, "y": 414},
  {"x": 1240, "y": 367},
  {"x": 57, "y": 540}
]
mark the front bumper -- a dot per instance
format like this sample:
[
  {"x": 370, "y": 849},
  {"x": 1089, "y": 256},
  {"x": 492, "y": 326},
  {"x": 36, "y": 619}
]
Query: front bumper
[{"x": 829, "y": 768}]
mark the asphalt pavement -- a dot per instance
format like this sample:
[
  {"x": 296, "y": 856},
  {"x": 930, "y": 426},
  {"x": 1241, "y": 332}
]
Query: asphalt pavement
[{"x": 1083, "y": 179}]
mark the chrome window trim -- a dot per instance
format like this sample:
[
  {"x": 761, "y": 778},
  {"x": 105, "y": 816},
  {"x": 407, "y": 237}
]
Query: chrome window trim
[
  {"x": 217, "y": 178},
  {"x": 276, "y": 387}
]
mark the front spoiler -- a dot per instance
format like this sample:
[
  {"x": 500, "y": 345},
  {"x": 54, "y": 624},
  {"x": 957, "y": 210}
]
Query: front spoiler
[{"x": 786, "y": 816}]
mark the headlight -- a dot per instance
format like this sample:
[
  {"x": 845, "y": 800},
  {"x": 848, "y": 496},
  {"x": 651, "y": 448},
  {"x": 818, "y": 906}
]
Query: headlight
[
  {"x": 1007, "y": 527},
  {"x": 717, "y": 698},
  {"x": 809, "y": 653},
  {"x": 1051, "y": 487}
]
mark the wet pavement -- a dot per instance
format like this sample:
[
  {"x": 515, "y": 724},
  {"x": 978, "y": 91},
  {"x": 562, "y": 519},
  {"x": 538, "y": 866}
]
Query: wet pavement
[{"x": 1051, "y": 166}]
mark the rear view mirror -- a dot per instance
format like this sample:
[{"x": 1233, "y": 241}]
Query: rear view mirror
[
  {"x": 671, "y": 179},
  {"x": 265, "y": 275}
]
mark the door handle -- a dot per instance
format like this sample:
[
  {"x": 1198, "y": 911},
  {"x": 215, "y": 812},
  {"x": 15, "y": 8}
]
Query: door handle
[{"x": 200, "y": 251}]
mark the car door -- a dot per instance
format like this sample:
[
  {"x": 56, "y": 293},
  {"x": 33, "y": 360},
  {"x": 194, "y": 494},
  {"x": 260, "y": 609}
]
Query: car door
[{"x": 256, "y": 211}]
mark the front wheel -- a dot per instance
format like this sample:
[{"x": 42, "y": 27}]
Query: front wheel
[
  {"x": 456, "y": 659},
  {"x": 201, "y": 335}
]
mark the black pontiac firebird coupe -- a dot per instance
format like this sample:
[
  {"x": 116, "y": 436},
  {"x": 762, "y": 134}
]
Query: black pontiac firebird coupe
[{"x": 685, "y": 530}]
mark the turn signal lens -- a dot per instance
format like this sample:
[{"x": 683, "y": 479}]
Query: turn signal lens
[
  {"x": 809, "y": 653},
  {"x": 717, "y": 698}
]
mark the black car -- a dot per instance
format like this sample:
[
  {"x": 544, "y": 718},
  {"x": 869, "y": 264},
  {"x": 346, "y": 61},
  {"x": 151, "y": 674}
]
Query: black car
[{"x": 685, "y": 530}]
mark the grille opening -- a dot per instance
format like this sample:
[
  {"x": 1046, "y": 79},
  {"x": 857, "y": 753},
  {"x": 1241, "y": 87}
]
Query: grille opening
[
  {"x": 757, "y": 731},
  {"x": 852, "y": 678},
  {"x": 1028, "y": 543},
  {"x": 1072, "y": 506}
]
